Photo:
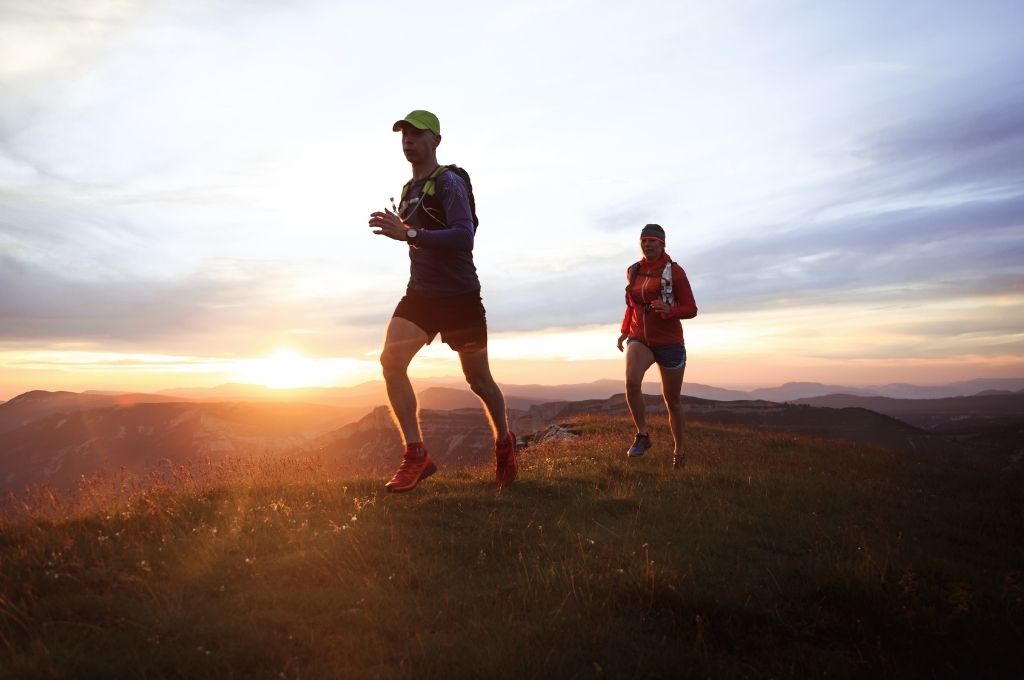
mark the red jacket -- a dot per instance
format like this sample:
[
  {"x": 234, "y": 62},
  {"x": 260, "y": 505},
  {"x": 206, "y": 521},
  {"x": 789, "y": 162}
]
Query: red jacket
[{"x": 643, "y": 323}]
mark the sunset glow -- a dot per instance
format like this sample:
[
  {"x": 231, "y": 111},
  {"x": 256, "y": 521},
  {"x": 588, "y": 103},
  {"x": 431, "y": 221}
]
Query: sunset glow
[
  {"x": 842, "y": 185},
  {"x": 286, "y": 368}
]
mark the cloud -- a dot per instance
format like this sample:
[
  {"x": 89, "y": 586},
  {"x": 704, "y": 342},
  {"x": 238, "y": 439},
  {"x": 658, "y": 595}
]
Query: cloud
[
  {"x": 963, "y": 140},
  {"x": 967, "y": 243},
  {"x": 935, "y": 210},
  {"x": 45, "y": 44},
  {"x": 191, "y": 176},
  {"x": 630, "y": 215},
  {"x": 225, "y": 307}
]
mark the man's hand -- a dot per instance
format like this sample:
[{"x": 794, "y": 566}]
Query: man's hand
[
  {"x": 389, "y": 224},
  {"x": 622, "y": 339}
]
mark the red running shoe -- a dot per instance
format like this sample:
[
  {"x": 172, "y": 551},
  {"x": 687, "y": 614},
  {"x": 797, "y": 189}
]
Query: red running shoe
[
  {"x": 505, "y": 468},
  {"x": 416, "y": 466}
]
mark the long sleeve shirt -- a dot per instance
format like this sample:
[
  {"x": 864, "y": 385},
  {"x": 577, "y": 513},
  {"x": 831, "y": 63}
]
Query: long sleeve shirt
[
  {"x": 645, "y": 324},
  {"x": 441, "y": 262}
]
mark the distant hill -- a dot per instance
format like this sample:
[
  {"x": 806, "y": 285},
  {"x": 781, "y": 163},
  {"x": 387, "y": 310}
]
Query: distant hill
[
  {"x": 932, "y": 414},
  {"x": 373, "y": 445},
  {"x": 850, "y": 424},
  {"x": 60, "y": 448},
  {"x": 463, "y": 437},
  {"x": 988, "y": 424},
  {"x": 700, "y": 391},
  {"x": 31, "y": 406},
  {"x": 57, "y": 437},
  {"x": 964, "y": 388},
  {"x": 805, "y": 390},
  {"x": 448, "y": 398},
  {"x": 800, "y": 390},
  {"x": 372, "y": 393}
]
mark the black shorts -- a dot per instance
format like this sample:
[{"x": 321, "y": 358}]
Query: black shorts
[
  {"x": 460, "y": 319},
  {"x": 672, "y": 357}
]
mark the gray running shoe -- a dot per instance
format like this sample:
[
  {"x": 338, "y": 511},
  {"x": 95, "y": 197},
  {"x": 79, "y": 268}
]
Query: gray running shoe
[{"x": 641, "y": 443}]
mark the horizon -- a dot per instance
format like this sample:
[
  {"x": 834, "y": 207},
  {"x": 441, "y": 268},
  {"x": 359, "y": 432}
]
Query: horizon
[
  {"x": 449, "y": 382},
  {"x": 186, "y": 188}
]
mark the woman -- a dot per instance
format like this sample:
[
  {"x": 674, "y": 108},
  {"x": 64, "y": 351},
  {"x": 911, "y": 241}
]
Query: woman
[{"x": 657, "y": 297}]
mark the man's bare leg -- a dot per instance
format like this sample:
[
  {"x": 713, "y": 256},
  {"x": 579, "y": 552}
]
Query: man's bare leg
[
  {"x": 403, "y": 340},
  {"x": 478, "y": 374},
  {"x": 476, "y": 368}
]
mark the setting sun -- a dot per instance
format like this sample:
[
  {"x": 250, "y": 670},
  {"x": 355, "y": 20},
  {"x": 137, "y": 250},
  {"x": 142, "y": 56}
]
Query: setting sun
[{"x": 284, "y": 369}]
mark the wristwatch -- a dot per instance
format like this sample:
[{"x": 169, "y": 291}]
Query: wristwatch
[{"x": 410, "y": 235}]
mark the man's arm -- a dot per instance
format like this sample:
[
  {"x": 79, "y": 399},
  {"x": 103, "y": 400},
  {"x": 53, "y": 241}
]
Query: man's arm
[{"x": 454, "y": 195}]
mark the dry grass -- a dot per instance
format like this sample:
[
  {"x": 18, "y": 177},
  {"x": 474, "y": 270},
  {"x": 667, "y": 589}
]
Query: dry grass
[{"x": 770, "y": 555}]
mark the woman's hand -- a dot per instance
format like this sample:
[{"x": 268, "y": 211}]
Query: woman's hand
[
  {"x": 622, "y": 338},
  {"x": 661, "y": 307}
]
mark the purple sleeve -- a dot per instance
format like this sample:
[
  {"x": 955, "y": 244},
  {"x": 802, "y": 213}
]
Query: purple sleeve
[{"x": 454, "y": 195}]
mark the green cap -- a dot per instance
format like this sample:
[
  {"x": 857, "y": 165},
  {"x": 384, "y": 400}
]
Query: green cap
[{"x": 421, "y": 120}]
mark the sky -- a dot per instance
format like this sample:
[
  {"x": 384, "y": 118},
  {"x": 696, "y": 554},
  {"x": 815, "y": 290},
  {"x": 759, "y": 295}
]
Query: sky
[{"x": 185, "y": 186}]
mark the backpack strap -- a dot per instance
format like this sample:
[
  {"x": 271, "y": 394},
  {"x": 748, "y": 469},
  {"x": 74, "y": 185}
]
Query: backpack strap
[
  {"x": 430, "y": 189},
  {"x": 430, "y": 186},
  {"x": 666, "y": 284},
  {"x": 666, "y": 291}
]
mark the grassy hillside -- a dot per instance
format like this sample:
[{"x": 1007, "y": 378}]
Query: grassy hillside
[{"x": 769, "y": 556}]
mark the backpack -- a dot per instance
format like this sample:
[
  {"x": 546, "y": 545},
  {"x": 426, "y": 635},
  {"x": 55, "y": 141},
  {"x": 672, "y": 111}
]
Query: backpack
[
  {"x": 430, "y": 189},
  {"x": 666, "y": 285}
]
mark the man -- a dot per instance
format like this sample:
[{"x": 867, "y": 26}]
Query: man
[{"x": 437, "y": 221}]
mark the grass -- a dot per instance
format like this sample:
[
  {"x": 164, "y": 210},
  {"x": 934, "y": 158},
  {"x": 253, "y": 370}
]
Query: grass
[{"x": 769, "y": 556}]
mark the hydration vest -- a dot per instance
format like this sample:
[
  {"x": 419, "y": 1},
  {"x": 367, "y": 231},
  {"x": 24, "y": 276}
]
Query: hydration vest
[
  {"x": 666, "y": 286},
  {"x": 429, "y": 204}
]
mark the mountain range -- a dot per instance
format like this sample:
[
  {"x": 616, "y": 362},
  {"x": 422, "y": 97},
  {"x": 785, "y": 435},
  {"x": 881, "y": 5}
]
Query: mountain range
[
  {"x": 58, "y": 437},
  {"x": 373, "y": 392}
]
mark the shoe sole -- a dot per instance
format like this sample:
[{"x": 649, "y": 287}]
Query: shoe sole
[
  {"x": 630, "y": 454},
  {"x": 427, "y": 471}
]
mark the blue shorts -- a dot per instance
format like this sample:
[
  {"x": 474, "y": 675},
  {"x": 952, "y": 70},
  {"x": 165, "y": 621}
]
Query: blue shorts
[{"x": 667, "y": 356}]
